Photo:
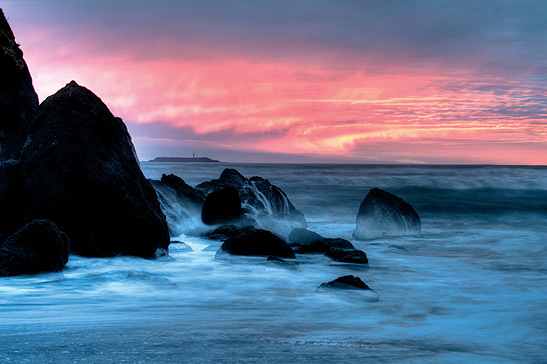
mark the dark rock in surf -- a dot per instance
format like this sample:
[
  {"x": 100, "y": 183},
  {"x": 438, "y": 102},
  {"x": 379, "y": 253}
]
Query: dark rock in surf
[
  {"x": 383, "y": 214},
  {"x": 303, "y": 236},
  {"x": 224, "y": 232},
  {"x": 221, "y": 207},
  {"x": 178, "y": 201},
  {"x": 79, "y": 169},
  {"x": 39, "y": 246},
  {"x": 347, "y": 256},
  {"x": 346, "y": 282},
  {"x": 257, "y": 242},
  {"x": 182, "y": 189},
  {"x": 304, "y": 241},
  {"x": 322, "y": 245},
  {"x": 267, "y": 204},
  {"x": 18, "y": 100}
]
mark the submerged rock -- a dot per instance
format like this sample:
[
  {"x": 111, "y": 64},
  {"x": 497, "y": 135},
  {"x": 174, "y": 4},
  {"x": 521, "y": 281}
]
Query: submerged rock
[
  {"x": 267, "y": 204},
  {"x": 178, "y": 201},
  {"x": 18, "y": 100},
  {"x": 251, "y": 241},
  {"x": 182, "y": 246},
  {"x": 346, "y": 282},
  {"x": 36, "y": 247},
  {"x": 383, "y": 214},
  {"x": 79, "y": 169},
  {"x": 278, "y": 262},
  {"x": 221, "y": 207}
]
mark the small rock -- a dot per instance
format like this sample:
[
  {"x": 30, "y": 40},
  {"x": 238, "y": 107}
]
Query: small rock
[{"x": 346, "y": 282}]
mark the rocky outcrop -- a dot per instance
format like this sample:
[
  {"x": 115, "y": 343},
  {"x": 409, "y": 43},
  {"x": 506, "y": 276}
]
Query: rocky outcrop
[
  {"x": 383, "y": 214},
  {"x": 303, "y": 241},
  {"x": 222, "y": 207},
  {"x": 265, "y": 203},
  {"x": 11, "y": 200},
  {"x": 257, "y": 242},
  {"x": 36, "y": 247},
  {"x": 346, "y": 282},
  {"x": 18, "y": 100},
  {"x": 178, "y": 201},
  {"x": 79, "y": 169}
]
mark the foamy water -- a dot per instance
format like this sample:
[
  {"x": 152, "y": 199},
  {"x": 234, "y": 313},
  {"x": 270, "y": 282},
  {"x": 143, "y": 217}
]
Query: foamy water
[{"x": 472, "y": 288}]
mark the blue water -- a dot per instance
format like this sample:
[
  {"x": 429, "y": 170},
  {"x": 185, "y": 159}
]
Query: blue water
[{"x": 471, "y": 288}]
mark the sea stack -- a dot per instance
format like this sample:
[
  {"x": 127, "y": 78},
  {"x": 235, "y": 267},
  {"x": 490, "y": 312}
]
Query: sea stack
[
  {"x": 18, "y": 100},
  {"x": 80, "y": 170},
  {"x": 384, "y": 214}
]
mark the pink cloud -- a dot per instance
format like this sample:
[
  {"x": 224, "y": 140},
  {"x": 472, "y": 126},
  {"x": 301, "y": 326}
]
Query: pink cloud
[{"x": 320, "y": 108}]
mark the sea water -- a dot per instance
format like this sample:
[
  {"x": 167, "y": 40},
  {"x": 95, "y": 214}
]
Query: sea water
[{"x": 471, "y": 288}]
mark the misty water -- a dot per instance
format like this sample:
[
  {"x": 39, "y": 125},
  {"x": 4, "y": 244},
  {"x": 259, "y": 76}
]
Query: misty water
[{"x": 471, "y": 288}]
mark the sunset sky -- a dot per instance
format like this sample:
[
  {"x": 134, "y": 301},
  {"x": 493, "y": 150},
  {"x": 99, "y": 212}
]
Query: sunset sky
[{"x": 410, "y": 81}]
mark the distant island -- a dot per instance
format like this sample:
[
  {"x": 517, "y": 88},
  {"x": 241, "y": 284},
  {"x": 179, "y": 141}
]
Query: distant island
[{"x": 185, "y": 160}]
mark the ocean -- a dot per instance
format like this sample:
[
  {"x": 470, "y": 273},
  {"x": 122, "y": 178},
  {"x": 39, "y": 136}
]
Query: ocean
[{"x": 472, "y": 288}]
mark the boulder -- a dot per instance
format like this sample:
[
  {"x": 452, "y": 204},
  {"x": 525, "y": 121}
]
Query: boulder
[
  {"x": 184, "y": 191},
  {"x": 179, "y": 202},
  {"x": 306, "y": 241},
  {"x": 347, "y": 256},
  {"x": 221, "y": 207},
  {"x": 346, "y": 282},
  {"x": 383, "y": 214},
  {"x": 79, "y": 169},
  {"x": 18, "y": 100},
  {"x": 303, "y": 236},
  {"x": 251, "y": 241},
  {"x": 224, "y": 232},
  {"x": 36, "y": 247},
  {"x": 267, "y": 204}
]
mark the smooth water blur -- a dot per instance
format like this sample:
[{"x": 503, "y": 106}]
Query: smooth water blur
[{"x": 471, "y": 288}]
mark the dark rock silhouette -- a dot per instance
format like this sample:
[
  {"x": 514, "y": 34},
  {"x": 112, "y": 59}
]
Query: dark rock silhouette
[
  {"x": 346, "y": 282},
  {"x": 347, "y": 256},
  {"x": 303, "y": 236},
  {"x": 36, "y": 247},
  {"x": 221, "y": 207},
  {"x": 178, "y": 201},
  {"x": 18, "y": 100},
  {"x": 79, "y": 169},
  {"x": 11, "y": 200},
  {"x": 224, "y": 232},
  {"x": 267, "y": 204},
  {"x": 304, "y": 241},
  {"x": 383, "y": 214},
  {"x": 251, "y": 241}
]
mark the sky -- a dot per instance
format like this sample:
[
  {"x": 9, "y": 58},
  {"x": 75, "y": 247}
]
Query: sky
[{"x": 409, "y": 81}]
